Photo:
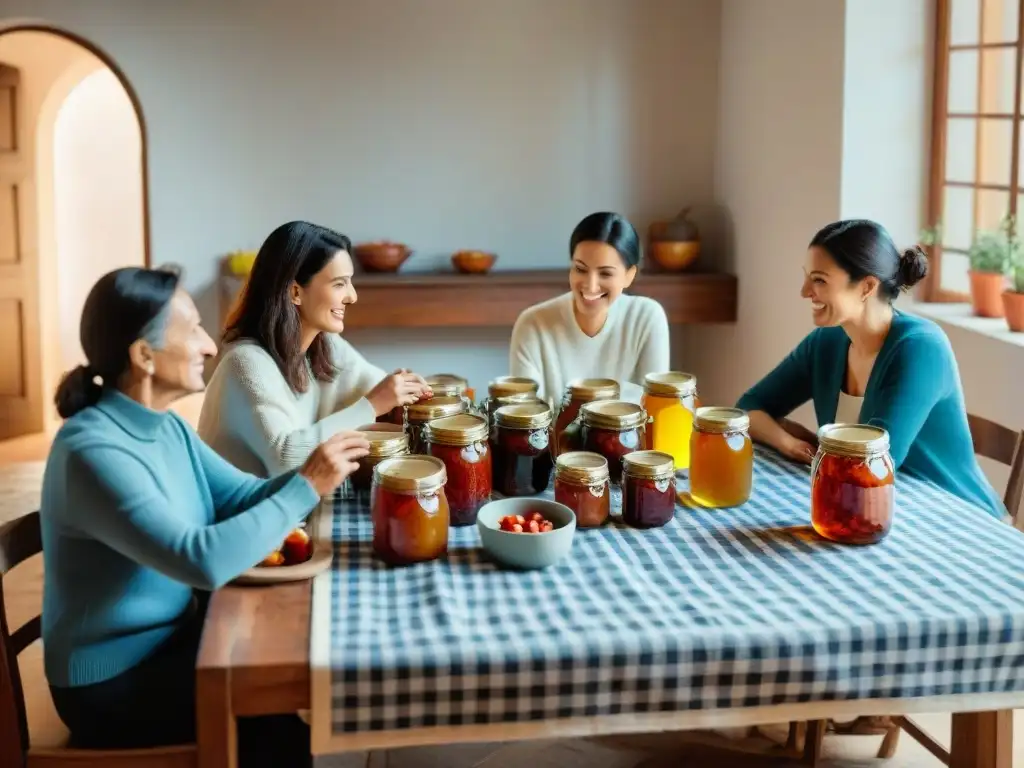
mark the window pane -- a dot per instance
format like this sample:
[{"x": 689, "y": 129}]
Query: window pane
[
  {"x": 997, "y": 80},
  {"x": 992, "y": 207},
  {"x": 954, "y": 272},
  {"x": 1000, "y": 21},
  {"x": 995, "y": 151},
  {"x": 961, "y": 133},
  {"x": 958, "y": 218},
  {"x": 963, "y": 81},
  {"x": 965, "y": 17}
]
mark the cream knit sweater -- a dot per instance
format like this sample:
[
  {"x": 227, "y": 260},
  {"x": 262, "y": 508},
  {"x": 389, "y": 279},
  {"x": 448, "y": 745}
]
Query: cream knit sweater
[{"x": 253, "y": 419}]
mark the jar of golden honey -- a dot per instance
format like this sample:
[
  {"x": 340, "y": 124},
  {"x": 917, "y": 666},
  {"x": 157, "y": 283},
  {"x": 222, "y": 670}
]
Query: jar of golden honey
[
  {"x": 508, "y": 390},
  {"x": 409, "y": 510},
  {"x": 670, "y": 401},
  {"x": 721, "y": 457},
  {"x": 568, "y": 436},
  {"x": 450, "y": 385},
  {"x": 386, "y": 442},
  {"x": 613, "y": 428},
  {"x": 581, "y": 483},
  {"x": 852, "y": 484},
  {"x": 420, "y": 413},
  {"x": 461, "y": 443},
  {"x": 648, "y": 489},
  {"x": 521, "y": 443}
]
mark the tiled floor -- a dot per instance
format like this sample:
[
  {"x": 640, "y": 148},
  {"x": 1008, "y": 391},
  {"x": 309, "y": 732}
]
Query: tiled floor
[{"x": 20, "y": 470}]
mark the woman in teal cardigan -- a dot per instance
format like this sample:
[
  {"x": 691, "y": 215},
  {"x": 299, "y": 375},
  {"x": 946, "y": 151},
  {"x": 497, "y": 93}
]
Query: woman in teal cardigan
[{"x": 867, "y": 363}]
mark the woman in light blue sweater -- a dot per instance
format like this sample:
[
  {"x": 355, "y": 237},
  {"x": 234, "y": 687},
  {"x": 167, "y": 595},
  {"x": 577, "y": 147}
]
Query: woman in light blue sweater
[{"x": 137, "y": 513}]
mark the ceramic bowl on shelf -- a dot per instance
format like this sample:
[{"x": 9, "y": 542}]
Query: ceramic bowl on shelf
[
  {"x": 675, "y": 256},
  {"x": 473, "y": 262},
  {"x": 526, "y": 551},
  {"x": 381, "y": 255}
]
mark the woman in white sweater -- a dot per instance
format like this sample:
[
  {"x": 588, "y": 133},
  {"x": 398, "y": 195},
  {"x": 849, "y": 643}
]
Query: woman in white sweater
[
  {"x": 594, "y": 331},
  {"x": 287, "y": 381}
]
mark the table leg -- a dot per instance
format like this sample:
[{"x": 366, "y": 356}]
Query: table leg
[
  {"x": 216, "y": 725},
  {"x": 982, "y": 740}
]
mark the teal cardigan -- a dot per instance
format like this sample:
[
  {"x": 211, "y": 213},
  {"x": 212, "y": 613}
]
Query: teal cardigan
[{"x": 913, "y": 391}]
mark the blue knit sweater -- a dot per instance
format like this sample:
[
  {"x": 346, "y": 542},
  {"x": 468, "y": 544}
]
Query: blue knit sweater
[{"x": 136, "y": 511}]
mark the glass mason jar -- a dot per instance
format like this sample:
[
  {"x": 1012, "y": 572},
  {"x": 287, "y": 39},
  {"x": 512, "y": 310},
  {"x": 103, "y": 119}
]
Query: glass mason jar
[
  {"x": 421, "y": 413},
  {"x": 648, "y": 489},
  {"x": 568, "y": 436},
  {"x": 508, "y": 390},
  {"x": 721, "y": 457},
  {"x": 409, "y": 510},
  {"x": 613, "y": 428},
  {"x": 521, "y": 455},
  {"x": 853, "y": 480},
  {"x": 581, "y": 483},
  {"x": 386, "y": 441},
  {"x": 670, "y": 400},
  {"x": 450, "y": 385},
  {"x": 461, "y": 443}
]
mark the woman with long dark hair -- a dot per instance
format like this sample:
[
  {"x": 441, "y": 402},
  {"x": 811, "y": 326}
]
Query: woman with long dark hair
[
  {"x": 137, "y": 513},
  {"x": 287, "y": 380}
]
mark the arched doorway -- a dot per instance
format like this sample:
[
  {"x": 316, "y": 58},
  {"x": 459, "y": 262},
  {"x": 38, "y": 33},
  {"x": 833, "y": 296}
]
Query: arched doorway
[{"x": 49, "y": 75}]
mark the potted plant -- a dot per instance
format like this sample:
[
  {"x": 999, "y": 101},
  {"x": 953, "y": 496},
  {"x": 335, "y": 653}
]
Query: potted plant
[
  {"x": 990, "y": 256},
  {"x": 1013, "y": 298}
]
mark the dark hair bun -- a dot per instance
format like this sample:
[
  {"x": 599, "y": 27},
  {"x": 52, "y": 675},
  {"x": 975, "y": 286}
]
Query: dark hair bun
[
  {"x": 913, "y": 267},
  {"x": 77, "y": 391}
]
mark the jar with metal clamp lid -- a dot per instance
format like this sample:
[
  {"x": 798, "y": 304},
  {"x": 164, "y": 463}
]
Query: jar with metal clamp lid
[
  {"x": 522, "y": 457},
  {"x": 568, "y": 430},
  {"x": 581, "y": 483},
  {"x": 670, "y": 401},
  {"x": 409, "y": 510},
  {"x": 613, "y": 428},
  {"x": 648, "y": 489},
  {"x": 386, "y": 441},
  {"x": 421, "y": 413},
  {"x": 721, "y": 457},
  {"x": 461, "y": 443}
]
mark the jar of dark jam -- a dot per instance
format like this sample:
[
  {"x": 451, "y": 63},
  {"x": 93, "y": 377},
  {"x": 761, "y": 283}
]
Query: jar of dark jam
[
  {"x": 568, "y": 435},
  {"x": 386, "y": 441},
  {"x": 581, "y": 483},
  {"x": 508, "y": 390},
  {"x": 521, "y": 452},
  {"x": 648, "y": 489},
  {"x": 423, "y": 412},
  {"x": 613, "y": 428},
  {"x": 409, "y": 510},
  {"x": 461, "y": 443}
]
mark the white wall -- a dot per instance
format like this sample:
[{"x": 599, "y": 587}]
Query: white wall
[{"x": 97, "y": 196}]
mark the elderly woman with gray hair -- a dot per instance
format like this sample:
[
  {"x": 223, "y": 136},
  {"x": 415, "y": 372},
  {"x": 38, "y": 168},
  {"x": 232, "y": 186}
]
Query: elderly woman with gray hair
[{"x": 137, "y": 513}]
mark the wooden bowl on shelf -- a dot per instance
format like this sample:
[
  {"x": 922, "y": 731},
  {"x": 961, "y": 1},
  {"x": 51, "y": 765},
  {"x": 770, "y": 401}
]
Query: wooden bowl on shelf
[
  {"x": 673, "y": 256},
  {"x": 381, "y": 255},
  {"x": 473, "y": 262}
]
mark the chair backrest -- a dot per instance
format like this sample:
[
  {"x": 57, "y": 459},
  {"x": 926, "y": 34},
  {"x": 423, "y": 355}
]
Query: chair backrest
[
  {"x": 1002, "y": 444},
  {"x": 20, "y": 539}
]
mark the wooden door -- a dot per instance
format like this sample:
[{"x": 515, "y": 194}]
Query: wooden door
[{"x": 21, "y": 404}]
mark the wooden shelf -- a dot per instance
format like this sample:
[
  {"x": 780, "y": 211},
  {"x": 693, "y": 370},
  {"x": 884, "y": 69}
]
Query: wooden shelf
[{"x": 451, "y": 300}]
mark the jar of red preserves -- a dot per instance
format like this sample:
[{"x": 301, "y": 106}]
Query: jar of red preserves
[
  {"x": 421, "y": 413},
  {"x": 521, "y": 455},
  {"x": 386, "y": 441},
  {"x": 581, "y": 483},
  {"x": 852, "y": 484},
  {"x": 578, "y": 393},
  {"x": 613, "y": 428},
  {"x": 461, "y": 443},
  {"x": 409, "y": 510},
  {"x": 648, "y": 489},
  {"x": 508, "y": 390}
]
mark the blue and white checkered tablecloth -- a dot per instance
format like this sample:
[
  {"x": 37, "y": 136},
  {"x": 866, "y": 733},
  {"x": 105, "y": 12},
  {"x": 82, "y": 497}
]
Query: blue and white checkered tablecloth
[{"x": 720, "y": 608}]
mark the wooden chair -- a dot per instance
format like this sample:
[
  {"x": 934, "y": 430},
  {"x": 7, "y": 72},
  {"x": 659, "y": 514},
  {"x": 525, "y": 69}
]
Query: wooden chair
[
  {"x": 20, "y": 539},
  {"x": 995, "y": 442}
]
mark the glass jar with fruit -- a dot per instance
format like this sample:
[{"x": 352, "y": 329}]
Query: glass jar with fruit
[
  {"x": 508, "y": 390},
  {"x": 521, "y": 455},
  {"x": 386, "y": 441},
  {"x": 852, "y": 484},
  {"x": 421, "y": 413},
  {"x": 648, "y": 489},
  {"x": 578, "y": 393},
  {"x": 613, "y": 428},
  {"x": 461, "y": 443},
  {"x": 581, "y": 483},
  {"x": 409, "y": 510},
  {"x": 670, "y": 400},
  {"x": 721, "y": 457}
]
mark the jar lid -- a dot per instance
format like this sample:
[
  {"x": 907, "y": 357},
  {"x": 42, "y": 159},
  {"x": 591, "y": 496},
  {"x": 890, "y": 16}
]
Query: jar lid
[
  {"x": 518, "y": 397},
  {"x": 613, "y": 414},
  {"x": 854, "y": 440},
  {"x": 524, "y": 416},
  {"x": 593, "y": 389},
  {"x": 582, "y": 467},
  {"x": 504, "y": 386},
  {"x": 411, "y": 474},
  {"x": 447, "y": 385},
  {"x": 654, "y": 465},
  {"x": 386, "y": 442},
  {"x": 721, "y": 420},
  {"x": 462, "y": 429},
  {"x": 435, "y": 408},
  {"x": 670, "y": 384}
]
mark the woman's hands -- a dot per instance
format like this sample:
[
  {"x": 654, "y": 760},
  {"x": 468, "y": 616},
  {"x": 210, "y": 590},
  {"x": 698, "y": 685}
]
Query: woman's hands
[
  {"x": 780, "y": 436},
  {"x": 797, "y": 449},
  {"x": 400, "y": 388},
  {"x": 334, "y": 460}
]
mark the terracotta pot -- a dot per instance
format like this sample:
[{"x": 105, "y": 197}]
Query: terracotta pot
[
  {"x": 987, "y": 293},
  {"x": 1013, "y": 304}
]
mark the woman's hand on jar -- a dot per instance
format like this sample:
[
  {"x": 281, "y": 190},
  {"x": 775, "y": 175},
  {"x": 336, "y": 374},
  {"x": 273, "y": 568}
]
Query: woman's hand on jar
[
  {"x": 400, "y": 388},
  {"x": 797, "y": 450},
  {"x": 334, "y": 460}
]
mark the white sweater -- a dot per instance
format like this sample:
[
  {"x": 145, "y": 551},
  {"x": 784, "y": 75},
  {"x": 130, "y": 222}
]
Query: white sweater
[
  {"x": 253, "y": 419},
  {"x": 548, "y": 345}
]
